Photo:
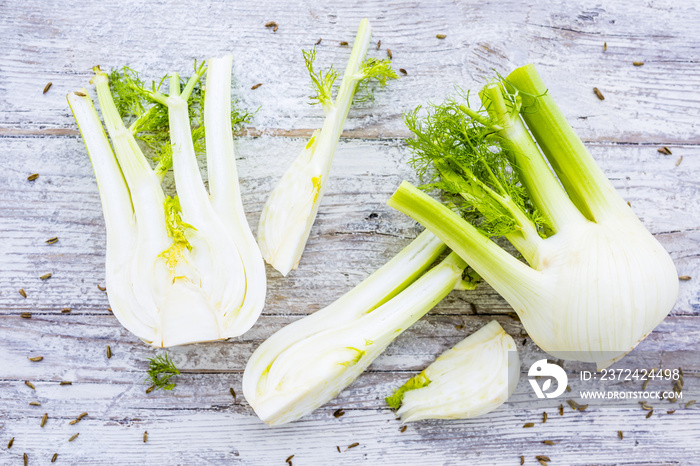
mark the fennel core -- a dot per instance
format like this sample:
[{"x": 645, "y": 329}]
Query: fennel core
[
  {"x": 183, "y": 269},
  {"x": 596, "y": 281},
  {"x": 290, "y": 211}
]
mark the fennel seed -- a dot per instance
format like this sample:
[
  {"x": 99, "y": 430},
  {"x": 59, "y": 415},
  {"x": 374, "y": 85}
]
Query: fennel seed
[
  {"x": 46, "y": 276},
  {"x": 36, "y": 358},
  {"x": 338, "y": 448},
  {"x": 289, "y": 459},
  {"x": 379, "y": 44},
  {"x": 389, "y": 54},
  {"x": 52, "y": 240},
  {"x": 81, "y": 415},
  {"x": 29, "y": 384},
  {"x": 318, "y": 42},
  {"x": 561, "y": 410},
  {"x": 65, "y": 310},
  {"x": 26, "y": 459},
  {"x": 24, "y": 293},
  {"x": 47, "y": 87},
  {"x": 605, "y": 46},
  {"x": 343, "y": 43},
  {"x": 568, "y": 389},
  {"x": 440, "y": 36},
  {"x": 544, "y": 417},
  {"x": 542, "y": 462},
  {"x": 150, "y": 389},
  {"x": 145, "y": 436},
  {"x": 670, "y": 411},
  {"x": 598, "y": 94},
  {"x": 403, "y": 429},
  {"x": 66, "y": 382},
  {"x": 73, "y": 422},
  {"x": 233, "y": 393},
  {"x": 664, "y": 150},
  {"x": 528, "y": 425},
  {"x": 338, "y": 413},
  {"x": 80, "y": 94},
  {"x": 255, "y": 86},
  {"x": 573, "y": 404},
  {"x": 44, "y": 418},
  {"x": 33, "y": 177},
  {"x": 403, "y": 71},
  {"x": 638, "y": 63},
  {"x": 690, "y": 403},
  {"x": 73, "y": 437},
  {"x": 549, "y": 442},
  {"x": 646, "y": 406},
  {"x": 109, "y": 352},
  {"x": 9, "y": 444},
  {"x": 522, "y": 460},
  {"x": 619, "y": 434},
  {"x": 650, "y": 413},
  {"x": 34, "y": 403},
  {"x": 353, "y": 445},
  {"x": 101, "y": 288},
  {"x": 270, "y": 24},
  {"x": 645, "y": 385},
  {"x": 542, "y": 458},
  {"x": 582, "y": 407},
  {"x": 682, "y": 277},
  {"x": 25, "y": 315},
  {"x": 680, "y": 159},
  {"x": 54, "y": 457}
]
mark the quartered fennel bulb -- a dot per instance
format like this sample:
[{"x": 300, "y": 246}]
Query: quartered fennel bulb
[
  {"x": 309, "y": 362},
  {"x": 597, "y": 282},
  {"x": 472, "y": 378},
  {"x": 290, "y": 211},
  {"x": 178, "y": 270}
]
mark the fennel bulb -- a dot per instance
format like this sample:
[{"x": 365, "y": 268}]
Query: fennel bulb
[
  {"x": 184, "y": 269},
  {"x": 309, "y": 362},
  {"x": 597, "y": 282},
  {"x": 472, "y": 378},
  {"x": 290, "y": 211}
]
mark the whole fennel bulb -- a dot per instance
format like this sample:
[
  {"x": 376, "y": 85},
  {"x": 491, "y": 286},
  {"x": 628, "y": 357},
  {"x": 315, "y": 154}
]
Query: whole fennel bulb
[{"x": 597, "y": 282}]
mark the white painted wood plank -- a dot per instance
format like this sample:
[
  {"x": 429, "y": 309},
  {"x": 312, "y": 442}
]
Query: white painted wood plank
[
  {"x": 657, "y": 102},
  {"x": 346, "y": 244}
]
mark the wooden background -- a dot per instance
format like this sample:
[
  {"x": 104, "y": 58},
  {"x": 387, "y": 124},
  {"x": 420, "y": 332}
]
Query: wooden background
[{"x": 645, "y": 107}]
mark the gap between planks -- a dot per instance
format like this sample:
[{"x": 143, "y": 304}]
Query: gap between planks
[{"x": 366, "y": 134}]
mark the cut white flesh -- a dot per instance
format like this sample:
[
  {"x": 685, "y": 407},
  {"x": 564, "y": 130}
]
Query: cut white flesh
[
  {"x": 209, "y": 283},
  {"x": 473, "y": 378},
  {"x": 309, "y": 362}
]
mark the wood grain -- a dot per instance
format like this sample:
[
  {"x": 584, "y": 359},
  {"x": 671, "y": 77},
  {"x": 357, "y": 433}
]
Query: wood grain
[{"x": 355, "y": 233}]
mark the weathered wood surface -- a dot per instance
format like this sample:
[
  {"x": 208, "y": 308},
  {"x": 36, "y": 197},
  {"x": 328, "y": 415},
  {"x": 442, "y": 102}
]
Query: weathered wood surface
[{"x": 645, "y": 107}]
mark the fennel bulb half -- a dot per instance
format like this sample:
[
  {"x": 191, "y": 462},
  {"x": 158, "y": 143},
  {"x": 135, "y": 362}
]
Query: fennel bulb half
[{"x": 184, "y": 269}]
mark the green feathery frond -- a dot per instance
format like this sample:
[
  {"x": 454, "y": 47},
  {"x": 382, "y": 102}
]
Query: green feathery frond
[
  {"x": 160, "y": 370},
  {"x": 373, "y": 68},
  {"x": 321, "y": 82}
]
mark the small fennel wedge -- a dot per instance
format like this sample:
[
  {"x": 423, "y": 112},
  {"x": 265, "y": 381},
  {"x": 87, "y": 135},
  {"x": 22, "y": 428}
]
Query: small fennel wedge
[
  {"x": 597, "y": 282},
  {"x": 310, "y": 361},
  {"x": 473, "y": 378},
  {"x": 185, "y": 269},
  {"x": 290, "y": 211}
]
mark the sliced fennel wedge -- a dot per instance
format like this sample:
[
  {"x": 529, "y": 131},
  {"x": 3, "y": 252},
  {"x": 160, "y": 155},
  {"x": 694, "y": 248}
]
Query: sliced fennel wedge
[
  {"x": 309, "y": 362},
  {"x": 473, "y": 378},
  {"x": 290, "y": 211},
  {"x": 178, "y": 270}
]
